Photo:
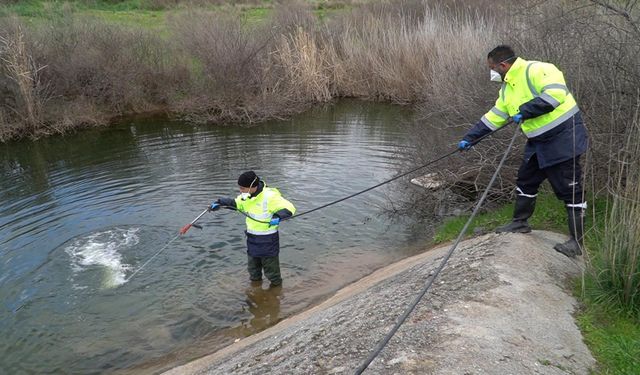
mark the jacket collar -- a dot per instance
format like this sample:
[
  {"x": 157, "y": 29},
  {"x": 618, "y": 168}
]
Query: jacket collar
[
  {"x": 516, "y": 70},
  {"x": 261, "y": 186}
]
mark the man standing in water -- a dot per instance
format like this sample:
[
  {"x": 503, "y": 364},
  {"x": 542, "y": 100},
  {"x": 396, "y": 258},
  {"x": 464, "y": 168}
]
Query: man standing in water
[
  {"x": 264, "y": 207},
  {"x": 534, "y": 95}
]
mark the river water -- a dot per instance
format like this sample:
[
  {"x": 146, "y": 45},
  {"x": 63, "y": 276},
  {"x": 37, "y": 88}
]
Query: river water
[{"x": 80, "y": 214}]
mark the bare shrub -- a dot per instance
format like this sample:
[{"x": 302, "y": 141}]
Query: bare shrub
[
  {"x": 288, "y": 17},
  {"x": 228, "y": 63},
  {"x": 122, "y": 70},
  {"x": 110, "y": 69},
  {"x": 25, "y": 93}
]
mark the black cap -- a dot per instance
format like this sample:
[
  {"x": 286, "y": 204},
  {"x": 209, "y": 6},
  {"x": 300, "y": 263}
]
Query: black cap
[{"x": 248, "y": 179}]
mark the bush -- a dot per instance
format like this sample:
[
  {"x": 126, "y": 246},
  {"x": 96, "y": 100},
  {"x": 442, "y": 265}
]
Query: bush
[
  {"x": 24, "y": 94},
  {"x": 228, "y": 65}
]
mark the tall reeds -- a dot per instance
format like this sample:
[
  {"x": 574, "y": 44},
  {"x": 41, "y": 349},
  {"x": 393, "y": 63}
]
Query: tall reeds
[{"x": 616, "y": 264}]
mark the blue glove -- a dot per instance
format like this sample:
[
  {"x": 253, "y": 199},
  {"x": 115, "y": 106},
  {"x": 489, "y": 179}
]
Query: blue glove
[
  {"x": 517, "y": 118},
  {"x": 274, "y": 221},
  {"x": 464, "y": 145},
  {"x": 214, "y": 206}
]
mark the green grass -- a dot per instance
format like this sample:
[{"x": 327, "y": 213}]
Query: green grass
[
  {"x": 39, "y": 8},
  {"x": 550, "y": 214},
  {"x": 145, "y": 18},
  {"x": 130, "y": 12},
  {"x": 256, "y": 14},
  {"x": 611, "y": 332},
  {"x": 613, "y": 337},
  {"x": 138, "y": 12}
]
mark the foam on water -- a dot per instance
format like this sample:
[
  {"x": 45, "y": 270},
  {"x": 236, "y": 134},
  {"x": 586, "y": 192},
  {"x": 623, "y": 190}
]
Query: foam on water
[{"x": 104, "y": 249}]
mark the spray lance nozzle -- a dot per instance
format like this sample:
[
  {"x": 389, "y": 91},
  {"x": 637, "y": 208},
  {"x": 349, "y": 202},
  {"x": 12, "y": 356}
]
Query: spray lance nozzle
[{"x": 184, "y": 229}]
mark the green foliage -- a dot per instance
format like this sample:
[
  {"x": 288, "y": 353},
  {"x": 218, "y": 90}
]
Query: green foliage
[
  {"x": 40, "y": 8},
  {"x": 612, "y": 337},
  {"x": 44, "y": 9},
  {"x": 145, "y": 13},
  {"x": 32, "y": 8},
  {"x": 256, "y": 14}
]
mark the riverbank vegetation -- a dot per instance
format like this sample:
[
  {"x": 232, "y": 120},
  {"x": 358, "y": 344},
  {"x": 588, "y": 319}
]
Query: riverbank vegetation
[
  {"x": 69, "y": 70},
  {"x": 67, "y": 65}
]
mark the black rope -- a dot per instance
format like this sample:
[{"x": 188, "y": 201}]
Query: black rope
[
  {"x": 473, "y": 143},
  {"x": 413, "y": 305}
]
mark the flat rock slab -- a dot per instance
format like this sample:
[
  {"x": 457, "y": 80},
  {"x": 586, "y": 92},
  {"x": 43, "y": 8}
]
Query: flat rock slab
[
  {"x": 429, "y": 181},
  {"x": 501, "y": 306}
]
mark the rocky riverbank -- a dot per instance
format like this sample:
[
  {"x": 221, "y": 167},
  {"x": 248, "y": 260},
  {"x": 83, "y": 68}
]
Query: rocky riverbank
[{"x": 501, "y": 306}]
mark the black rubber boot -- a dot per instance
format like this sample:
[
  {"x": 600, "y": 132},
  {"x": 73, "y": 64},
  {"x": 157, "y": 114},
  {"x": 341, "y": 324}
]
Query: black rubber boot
[
  {"x": 522, "y": 211},
  {"x": 573, "y": 247}
]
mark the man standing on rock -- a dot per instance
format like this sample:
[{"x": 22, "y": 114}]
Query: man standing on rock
[
  {"x": 534, "y": 95},
  {"x": 264, "y": 207}
]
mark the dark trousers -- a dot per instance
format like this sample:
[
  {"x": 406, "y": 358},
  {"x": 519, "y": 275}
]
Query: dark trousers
[
  {"x": 270, "y": 265},
  {"x": 565, "y": 179}
]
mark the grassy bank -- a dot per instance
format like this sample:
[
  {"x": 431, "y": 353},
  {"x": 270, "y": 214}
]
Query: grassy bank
[
  {"x": 613, "y": 338},
  {"x": 549, "y": 215}
]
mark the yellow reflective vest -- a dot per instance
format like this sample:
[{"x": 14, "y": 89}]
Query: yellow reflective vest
[
  {"x": 262, "y": 207},
  {"x": 525, "y": 81}
]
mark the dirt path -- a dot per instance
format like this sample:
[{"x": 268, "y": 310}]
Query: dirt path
[{"x": 501, "y": 306}]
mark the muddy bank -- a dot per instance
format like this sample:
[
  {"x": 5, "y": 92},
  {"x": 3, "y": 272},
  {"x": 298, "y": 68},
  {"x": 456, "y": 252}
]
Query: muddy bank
[{"x": 501, "y": 306}]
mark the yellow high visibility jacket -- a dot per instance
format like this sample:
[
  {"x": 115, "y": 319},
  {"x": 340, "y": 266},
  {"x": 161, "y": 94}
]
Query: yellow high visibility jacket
[
  {"x": 525, "y": 81},
  {"x": 262, "y": 207}
]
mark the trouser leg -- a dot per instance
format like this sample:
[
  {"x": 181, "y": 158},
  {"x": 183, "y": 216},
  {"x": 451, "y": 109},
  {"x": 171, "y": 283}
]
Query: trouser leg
[
  {"x": 566, "y": 180},
  {"x": 272, "y": 270},
  {"x": 529, "y": 179},
  {"x": 254, "y": 266}
]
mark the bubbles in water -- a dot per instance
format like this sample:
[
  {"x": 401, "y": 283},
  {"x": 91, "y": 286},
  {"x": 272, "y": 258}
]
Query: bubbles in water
[{"x": 103, "y": 249}]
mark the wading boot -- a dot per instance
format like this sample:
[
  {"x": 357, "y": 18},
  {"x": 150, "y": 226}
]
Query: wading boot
[
  {"x": 522, "y": 211},
  {"x": 573, "y": 246}
]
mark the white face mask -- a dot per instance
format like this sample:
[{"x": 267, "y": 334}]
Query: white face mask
[{"x": 495, "y": 76}]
